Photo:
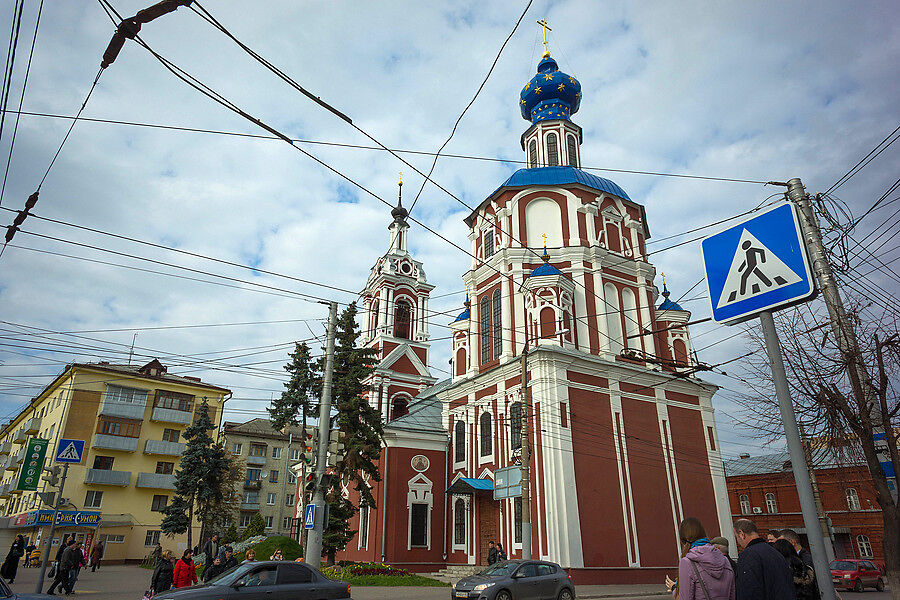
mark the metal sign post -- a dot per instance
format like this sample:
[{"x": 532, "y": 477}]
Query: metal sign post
[{"x": 62, "y": 486}]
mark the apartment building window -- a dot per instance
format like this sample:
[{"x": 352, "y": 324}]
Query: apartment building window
[
  {"x": 165, "y": 468},
  {"x": 852, "y": 499},
  {"x": 52, "y": 430},
  {"x": 269, "y": 520},
  {"x": 237, "y": 448},
  {"x": 159, "y": 503},
  {"x": 152, "y": 538},
  {"x": 171, "y": 435},
  {"x": 295, "y": 454},
  {"x": 270, "y": 499},
  {"x": 276, "y": 452},
  {"x": 245, "y": 520},
  {"x": 93, "y": 498},
  {"x": 118, "y": 393},
  {"x": 121, "y": 427},
  {"x": 771, "y": 506},
  {"x": 251, "y": 497},
  {"x": 174, "y": 400},
  {"x": 288, "y": 499},
  {"x": 257, "y": 449},
  {"x": 287, "y": 524},
  {"x": 273, "y": 476},
  {"x": 253, "y": 474},
  {"x": 116, "y": 538},
  {"x": 292, "y": 479},
  {"x": 745, "y": 504},
  {"x": 865, "y": 547},
  {"x": 104, "y": 463}
]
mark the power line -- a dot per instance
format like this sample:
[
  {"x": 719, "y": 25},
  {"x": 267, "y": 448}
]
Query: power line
[{"x": 864, "y": 161}]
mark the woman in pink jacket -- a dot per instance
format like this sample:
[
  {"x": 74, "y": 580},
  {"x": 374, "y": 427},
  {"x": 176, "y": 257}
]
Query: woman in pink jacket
[{"x": 704, "y": 573}]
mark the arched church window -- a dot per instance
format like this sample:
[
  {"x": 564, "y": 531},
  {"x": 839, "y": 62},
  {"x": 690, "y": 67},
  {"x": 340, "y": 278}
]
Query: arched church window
[
  {"x": 460, "y": 362},
  {"x": 485, "y": 309},
  {"x": 680, "y": 351},
  {"x": 487, "y": 435},
  {"x": 572, "y": 149},
  {"x": 613, "y": 318},
  {"x": 375, "y": 316},
  {"x": 532, "y": 154},
  {"x": 459, "y": 442},
  {"x": 498, "y": 326},
  {"x": 459, "y": 522},
  {"x": 548, "y": 322},
  {"x": 515, "y": 425},
  {"x": 399, "y": 407},
  {"x": 632, "y": 329},
  {"x": 402, "y": 314},
  {"x": 552, "y": 150}
]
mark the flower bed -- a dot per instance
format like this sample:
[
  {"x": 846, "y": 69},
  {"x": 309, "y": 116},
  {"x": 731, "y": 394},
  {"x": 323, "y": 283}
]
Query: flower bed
[{"x": 359, "y": 569}]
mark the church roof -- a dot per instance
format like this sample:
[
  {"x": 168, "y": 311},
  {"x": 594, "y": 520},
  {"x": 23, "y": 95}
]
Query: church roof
[
  {"x": 666, "y": 303},
  {"x": 546, "y": 268},
  {"x": 561, "y": 176},
  {"x": 551, "y": 94},
  {"x": 424, "y": 412}
]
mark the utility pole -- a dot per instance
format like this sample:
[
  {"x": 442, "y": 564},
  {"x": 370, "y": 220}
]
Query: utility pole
[
  {"x": 62, "y": 487},
  {"x": 843, "y": 332},
  {"x": 287, "y": 469},
  {"x": 314, "y": 539},
  {"x": 526, "y": 457},
  {"x": 820, "y": 509}
]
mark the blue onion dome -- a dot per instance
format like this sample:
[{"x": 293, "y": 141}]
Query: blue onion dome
[
  {"x": 551, "y": 94},
  {"x": 464, "y": 315},
  {"x": 546, "y": 268},
  {"x": 668, "y": 304}
]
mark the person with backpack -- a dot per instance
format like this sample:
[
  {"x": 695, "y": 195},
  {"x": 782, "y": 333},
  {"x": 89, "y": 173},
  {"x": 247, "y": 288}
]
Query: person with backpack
[{"x": 704, "y": 573}]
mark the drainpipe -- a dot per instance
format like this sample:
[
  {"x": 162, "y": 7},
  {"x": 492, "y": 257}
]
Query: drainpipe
[
  {"x": 383, "y": 507},
  {"x": 446, "y": 470}
]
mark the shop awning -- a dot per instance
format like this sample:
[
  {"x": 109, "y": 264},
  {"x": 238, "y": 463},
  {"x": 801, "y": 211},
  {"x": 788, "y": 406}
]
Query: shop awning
[{"x": 469, "y": 485}]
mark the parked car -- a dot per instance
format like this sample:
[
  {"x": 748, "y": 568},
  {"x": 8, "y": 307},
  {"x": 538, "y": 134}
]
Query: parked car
[
  {"x": 8, "y": 594},
  {"x": 856, "y": 574},
  {"x": 266, "y": 580},
  {"x": 517, "y": 580}
]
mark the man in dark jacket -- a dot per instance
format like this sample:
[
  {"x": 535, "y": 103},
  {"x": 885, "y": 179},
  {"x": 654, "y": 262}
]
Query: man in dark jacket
[
  {"x": 65, "y": 564},
  {"x": 763, "y": 574},
  {"x": 804, "y": 554},
  {"x": 211, "y": 549},
  {"x": 492, "y": 553},
  {"x": 220, "y": 565}
]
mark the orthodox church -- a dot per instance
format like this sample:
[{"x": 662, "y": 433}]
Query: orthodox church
[{"x": 618, "y": 432}]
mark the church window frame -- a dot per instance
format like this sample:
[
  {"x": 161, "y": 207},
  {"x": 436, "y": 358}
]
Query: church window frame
[
  {"x": 498, "y": 324},
  {"x": 488, "y": 243},
  {"x": 486, "y": 432},
  {"x": 515, "y": 425},
  {"x": 865, "y": 546},
  {"x": 572, "y": 150},
  {"x": 517, "y": 520},
  {"x": 459, "y": 442},
  {"x": 403, "y": 319},
  {"x": 552, "y": 149},
  {"x": 399, "y": 406},
  {"x": 375, "y": 307},
  {"x": 532, "y": 154},
  {"x": 615, "y": 333},
  {"x": 459, "y": 523},
  {"x": 486, "y": 329}
]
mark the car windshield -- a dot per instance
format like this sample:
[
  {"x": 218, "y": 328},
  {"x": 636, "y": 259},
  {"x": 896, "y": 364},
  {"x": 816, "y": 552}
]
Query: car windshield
[
  {"x": 843, "y": 565},
  {"x": 500, "y": 569},
  {"x": 231, "y": 575}
]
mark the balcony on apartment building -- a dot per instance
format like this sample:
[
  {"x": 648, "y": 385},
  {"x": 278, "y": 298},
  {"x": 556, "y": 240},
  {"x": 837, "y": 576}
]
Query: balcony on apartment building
[
  {"x": 250, "y": 505},
  {"x": 172, "y": 407},
  {"x": 20, "y": 437},
  {"x": 107, "y": 477},
  {"x": 10, "y": 463},
  {"x": 115, "y": 405},
  {"x": 4, "y": 490},
  {"x": 5, "y": 448},
  {"x": 252, "y": 484},
  {"x": 114, "y": 442},
  {"x": 256, "y": 461},
  {"x": 157, "y": 481},
  {"x": 164, "y": 447},
  {"x": 33, "y": 426}
]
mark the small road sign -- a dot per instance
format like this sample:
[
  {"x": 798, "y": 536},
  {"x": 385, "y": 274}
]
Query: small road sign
[
  {"x": 309, "y": 519},
  {"x": 757, "y": 265},
  {"x": 508, "y": 482},
  {"x": 69, "y": 451}
]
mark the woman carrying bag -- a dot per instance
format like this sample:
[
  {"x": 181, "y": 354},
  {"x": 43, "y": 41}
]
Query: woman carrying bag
[{"x": 703, "y": 572}]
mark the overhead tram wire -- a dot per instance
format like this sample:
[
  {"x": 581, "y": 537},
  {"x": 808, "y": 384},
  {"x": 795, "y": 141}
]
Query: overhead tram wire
[
  {"x": 15, "y": 27},
  {"x": 864, "y": 161},
  {"x": 261, "y": 136}
]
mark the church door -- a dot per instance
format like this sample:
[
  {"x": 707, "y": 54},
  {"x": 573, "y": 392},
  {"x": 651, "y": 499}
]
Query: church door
[{"x": 488, "y": 525}]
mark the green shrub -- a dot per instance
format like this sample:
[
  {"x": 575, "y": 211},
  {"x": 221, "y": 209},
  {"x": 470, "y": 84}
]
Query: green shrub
[
  {"x": 257, "y": 526},
  {"x": 290, "y": 549}
]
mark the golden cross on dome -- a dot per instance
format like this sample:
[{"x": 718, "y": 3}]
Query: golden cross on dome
[
  {"x": 544, "y": 235},
  {"x": 546, "y": 28},
  {"x": 401, "y": 179},
  {"x": 663, "y": 278}
]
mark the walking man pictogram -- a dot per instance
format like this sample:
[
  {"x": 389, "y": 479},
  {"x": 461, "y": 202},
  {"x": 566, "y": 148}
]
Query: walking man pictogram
[{"x": 753, "y": 257}]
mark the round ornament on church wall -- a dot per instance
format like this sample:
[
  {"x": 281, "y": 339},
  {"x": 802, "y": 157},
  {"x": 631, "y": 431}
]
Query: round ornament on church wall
[{"x": 420, "y": 463}]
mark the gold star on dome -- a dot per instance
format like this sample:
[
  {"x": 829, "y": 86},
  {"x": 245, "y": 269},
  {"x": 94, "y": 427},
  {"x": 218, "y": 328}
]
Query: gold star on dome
[
  {"x": 571, "y": 80},
  {"x": 537, "y": 90},
  {"x": 548, "y": 77},
  {"x": 578, "y": 95},
  {"x": 523, "y": 103},
  {"x": 527, "y": 85},
  {"x": 561, "y": 87}
]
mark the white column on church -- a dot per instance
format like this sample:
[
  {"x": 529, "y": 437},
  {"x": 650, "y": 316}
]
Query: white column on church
[
  {"x": 646, "y": 323},
  {"x": 389, "y": 316},
  {"x": 383, "y": 309},
  {"x": 425, "y": 317}
]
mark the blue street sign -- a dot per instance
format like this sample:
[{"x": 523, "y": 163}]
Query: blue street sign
[
  {"x": 309, "y": 519},
  {"x": 757, "y": 265},
  {"x": 69, "y": 451}
]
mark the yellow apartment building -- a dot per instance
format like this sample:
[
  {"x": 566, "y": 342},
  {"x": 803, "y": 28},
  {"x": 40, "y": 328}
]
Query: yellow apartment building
[{"x": 132, "y": 420}]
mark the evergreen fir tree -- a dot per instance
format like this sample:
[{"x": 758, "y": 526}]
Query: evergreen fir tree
[
  {"x": 338, "y": 532},
  {"x": 257, "y": 526},
  {"x": 202, "y": 481},
  {"x": 298, "y": 400}
]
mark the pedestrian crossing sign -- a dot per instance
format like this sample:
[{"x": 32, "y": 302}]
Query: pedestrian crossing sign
[
  {"x": 69, "y": 451},
  {"x": 309, "y": 519},
  {"x": 757, "y": 265}
]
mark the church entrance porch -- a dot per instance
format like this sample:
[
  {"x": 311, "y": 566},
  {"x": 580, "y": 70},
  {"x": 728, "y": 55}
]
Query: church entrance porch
[
  {"x": 487, "y": 525},
  {"x": 484, "y": 515}
]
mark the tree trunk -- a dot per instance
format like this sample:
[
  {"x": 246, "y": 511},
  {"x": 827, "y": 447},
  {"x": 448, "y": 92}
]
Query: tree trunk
[
  {"x": 190, "y": 531},
  {"x": 891, "y": 544}
]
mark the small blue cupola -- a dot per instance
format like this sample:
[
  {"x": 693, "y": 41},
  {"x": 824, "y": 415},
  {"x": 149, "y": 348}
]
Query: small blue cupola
[
  {"x": 666, "y": 303},
  {"x": 465, "y": 314},
  {"x": 546, "y": 268}
]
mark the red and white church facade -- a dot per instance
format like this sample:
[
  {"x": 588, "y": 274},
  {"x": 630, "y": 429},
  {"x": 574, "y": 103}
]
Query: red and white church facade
[{"x": 622, "y": 433}]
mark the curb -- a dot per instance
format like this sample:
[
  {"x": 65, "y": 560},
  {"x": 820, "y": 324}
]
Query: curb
[{"x": 622, "y": 595}]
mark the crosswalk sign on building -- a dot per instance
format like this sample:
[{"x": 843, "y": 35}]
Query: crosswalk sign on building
[
  {"x": 69, "y": 451},
  {"x": 757, "y": 265}
]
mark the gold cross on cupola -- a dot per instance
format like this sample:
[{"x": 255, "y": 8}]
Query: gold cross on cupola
[
  {"x": 546, "y": 28},
  {"x": 544, "y": 235}
]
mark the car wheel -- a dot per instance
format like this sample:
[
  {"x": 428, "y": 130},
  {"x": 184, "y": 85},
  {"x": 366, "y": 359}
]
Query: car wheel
[
  {"x": 566, "y": 594},
  {"x": 504, "y": 595},
  {"x": 858, "y": 586},
  {"x": 880, "y": 585}
]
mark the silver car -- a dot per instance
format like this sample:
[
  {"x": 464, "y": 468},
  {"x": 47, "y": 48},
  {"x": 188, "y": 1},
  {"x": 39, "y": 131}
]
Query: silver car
[{"x": 516, "y": 580}]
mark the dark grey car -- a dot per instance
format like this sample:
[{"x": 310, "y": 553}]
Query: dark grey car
[
  {"x": 267, "y": 580},
  {"x": 516, "y": 580}
]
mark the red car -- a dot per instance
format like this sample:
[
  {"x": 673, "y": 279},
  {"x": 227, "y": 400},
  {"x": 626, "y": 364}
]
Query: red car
[{"x": 856, "y": 575}]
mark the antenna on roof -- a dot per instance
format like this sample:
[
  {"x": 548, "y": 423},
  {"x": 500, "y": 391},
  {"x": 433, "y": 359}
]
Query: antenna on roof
[{"x": 131, "y": 352}]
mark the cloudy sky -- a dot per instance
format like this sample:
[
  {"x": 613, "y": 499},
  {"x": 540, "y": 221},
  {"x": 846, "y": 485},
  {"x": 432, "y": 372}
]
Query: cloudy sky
[{"x": 757, "y": 91}]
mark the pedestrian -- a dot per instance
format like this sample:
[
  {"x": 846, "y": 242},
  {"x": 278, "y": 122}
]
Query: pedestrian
[
  {"x": 723, "y": 545},
  {"x": 804, "y": 576},
  {"x": 185, "y": 572},
  {"x": 804, "y": 554},
  {"x": 492, "y": 553},
  {"x": 250, "y": 556},
  {"x": 161, "y": 581},
  {"x": 703, "y": 572},
  {"x": 276, "y": 555},
  {"x": 65, "y": 562},
  {"x": 77, "y": 563},
  {"x": 772, "y": 536},
  {"x": 28, "y": 550},
  {"x": 96, "y": 555},
  {"x": 220, "y": 565},
  {"x": 157, "y": 553},
  {"x": 211, "y": 549},
  {"x": 501, "y": 553},
  {"x": 763, "y": 574},
  {"x": 11, "y": 564}
]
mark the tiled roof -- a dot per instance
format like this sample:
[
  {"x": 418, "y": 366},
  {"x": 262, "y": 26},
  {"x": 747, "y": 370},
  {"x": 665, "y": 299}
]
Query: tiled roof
[
  {"x": 561, "y": 176},
  {"x": 261, "y": 427},
  {"x": 781, "y": 461},
  {"x": 425, "y": 412}
]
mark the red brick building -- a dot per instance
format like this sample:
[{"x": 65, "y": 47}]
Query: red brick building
[{"x": 762, "y": 488}]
